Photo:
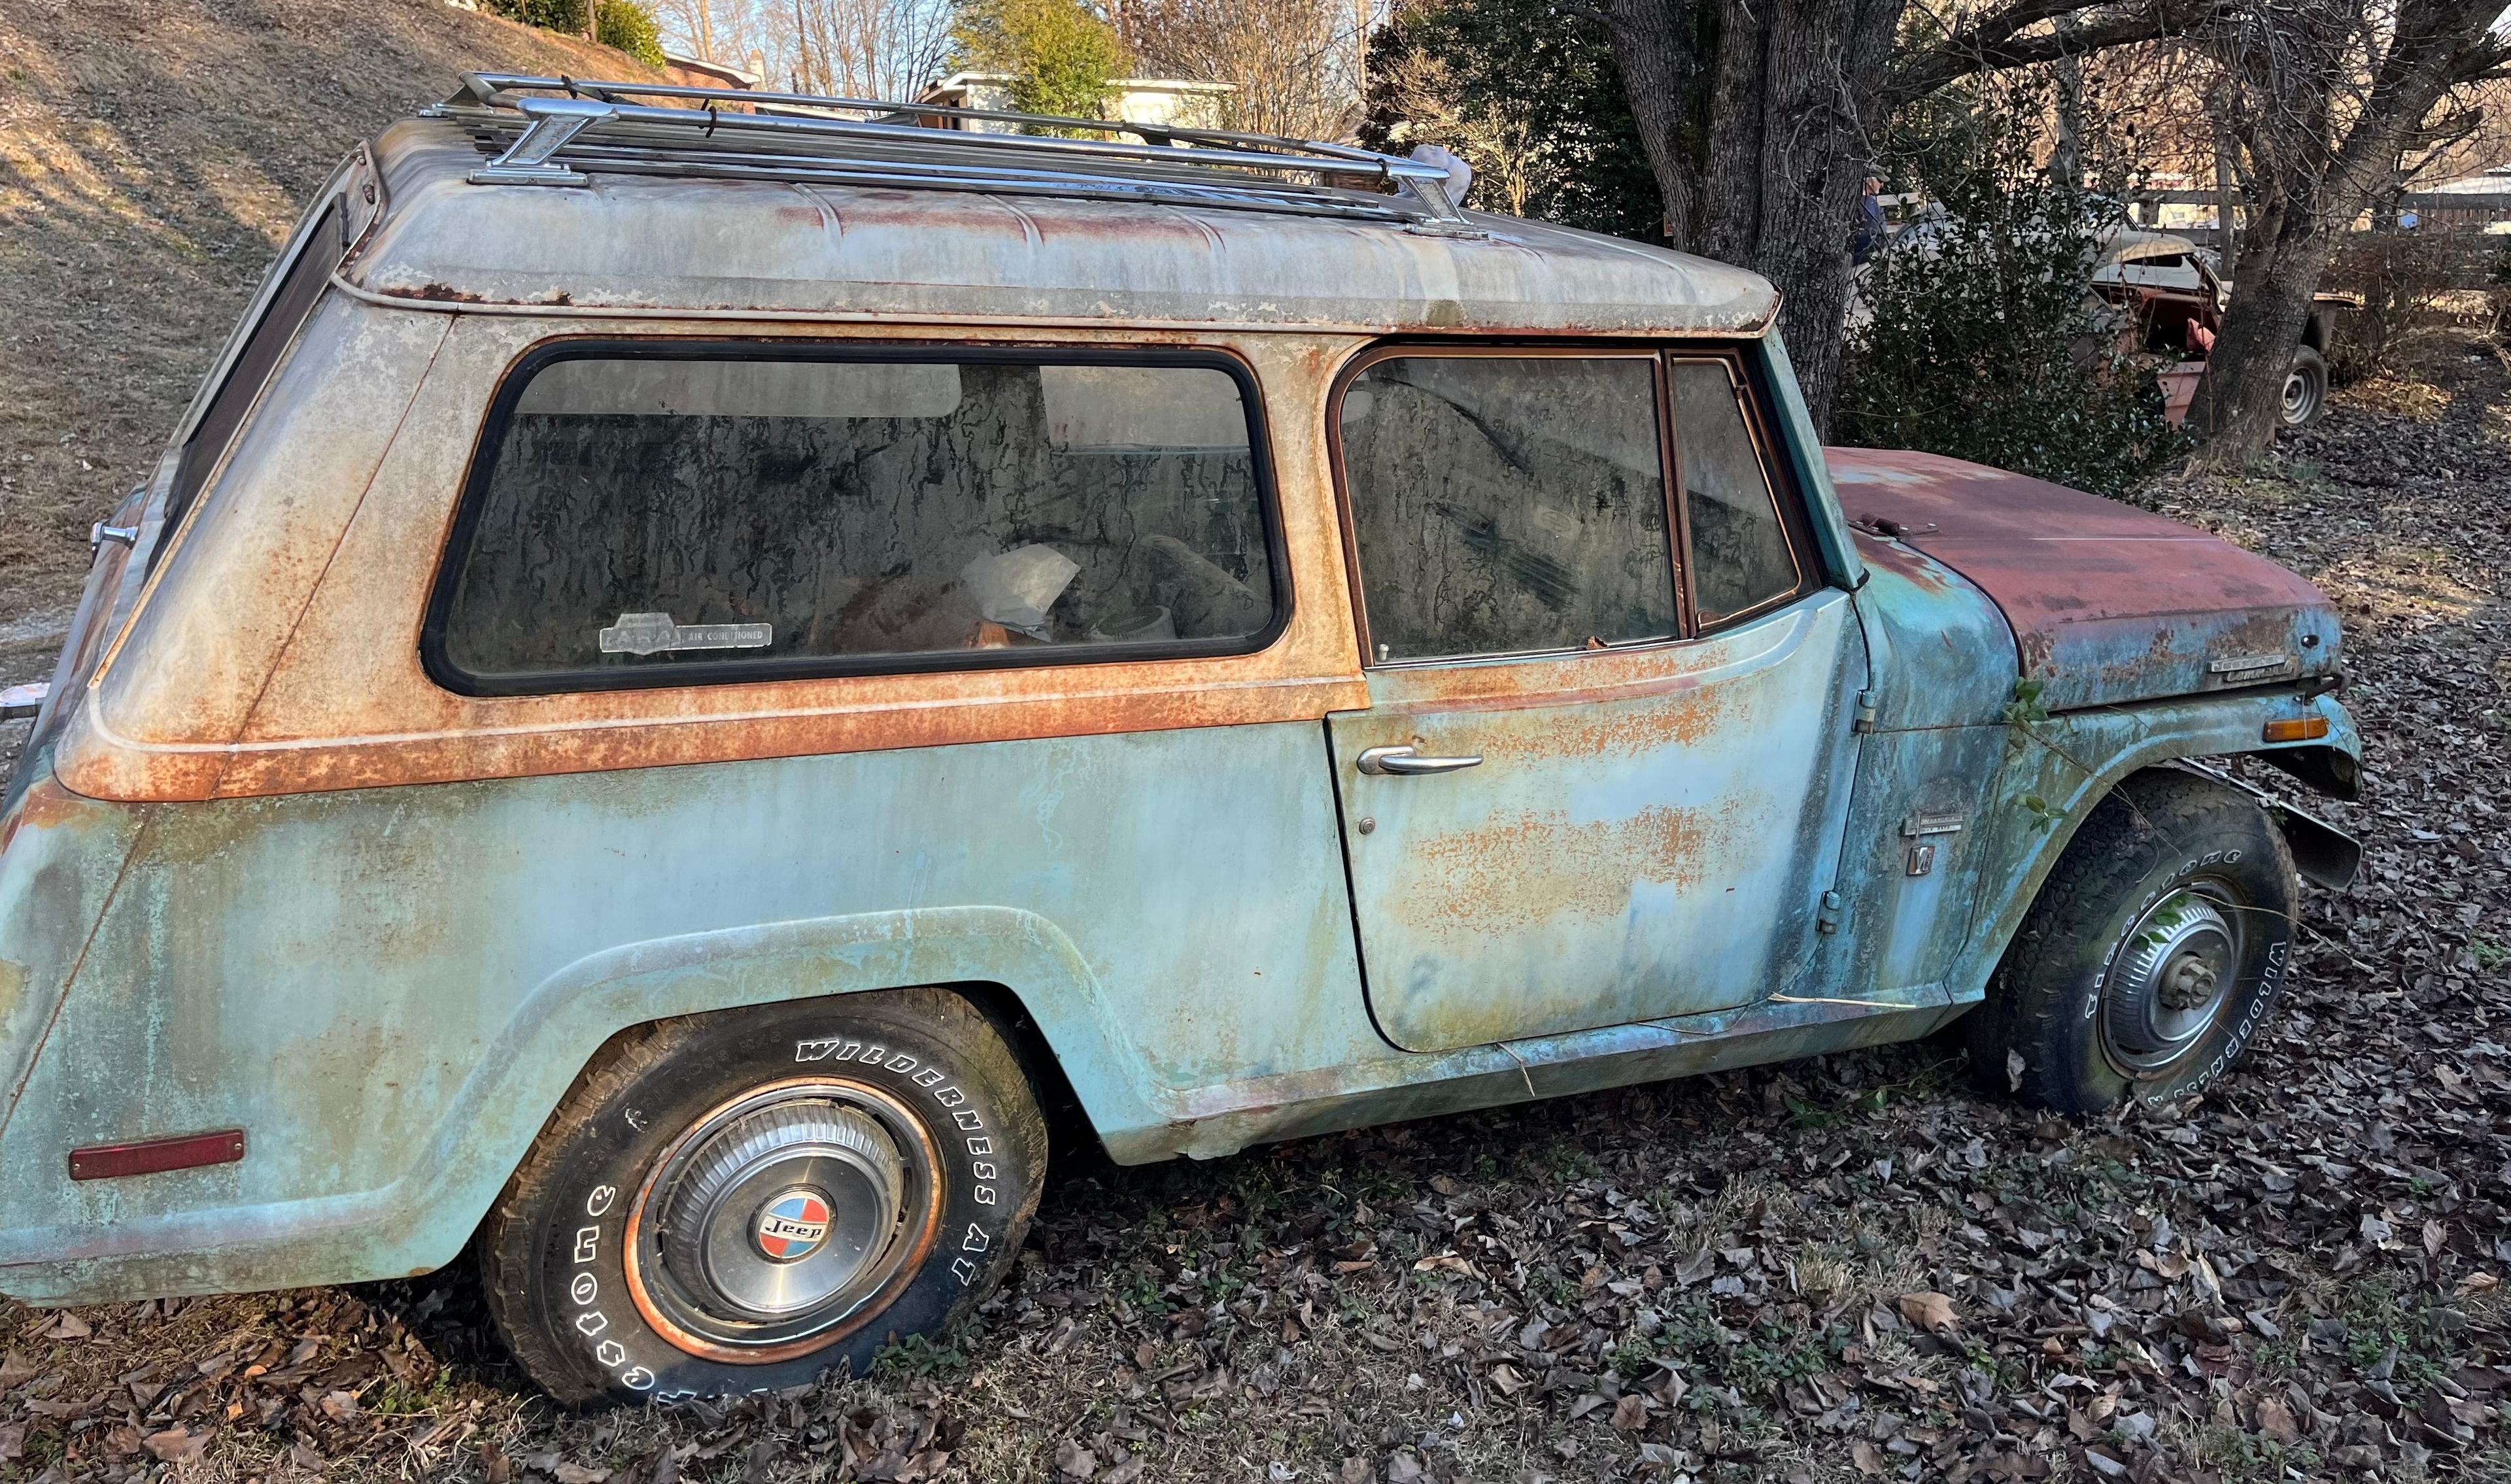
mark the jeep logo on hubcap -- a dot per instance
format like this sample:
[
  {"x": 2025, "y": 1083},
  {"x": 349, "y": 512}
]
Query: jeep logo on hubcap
[{"x": 792, "y": 1227}]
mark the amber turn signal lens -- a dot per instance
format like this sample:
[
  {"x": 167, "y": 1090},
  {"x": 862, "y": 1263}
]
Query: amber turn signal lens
[{"x": 2297, "y": 729}]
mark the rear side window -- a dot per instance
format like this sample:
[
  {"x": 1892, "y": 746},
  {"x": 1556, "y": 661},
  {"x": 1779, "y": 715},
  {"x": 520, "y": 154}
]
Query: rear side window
[
  {"x": 732, "y": 512},
  {"x": 1508, "y": 505},
  {"x": 289, "y": 306}
]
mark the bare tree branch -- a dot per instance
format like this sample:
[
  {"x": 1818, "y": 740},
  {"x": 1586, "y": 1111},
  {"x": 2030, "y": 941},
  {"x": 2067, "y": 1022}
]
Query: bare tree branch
[{"x": 1996, "y": 42}]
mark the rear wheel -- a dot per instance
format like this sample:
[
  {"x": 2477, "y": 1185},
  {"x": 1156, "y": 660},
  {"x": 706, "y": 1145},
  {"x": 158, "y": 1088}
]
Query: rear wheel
[
  {"x": 740, "y": 1202},
  {"x": 2156, "y": 950},
  {"x": 2305, "y": 389}
]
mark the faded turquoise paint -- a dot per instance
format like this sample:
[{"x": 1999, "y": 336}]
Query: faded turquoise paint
[
  {"x": 1625, "y": 851},
  {"x": 2069, "y": 762},
  {"x": 1795, "y": 435},
  {"x": 391, "y": 989},
  {"x": 1169, "y": 907},
  {"x": 59, "y": 872},
  {"x": 1943, "y": 654}
]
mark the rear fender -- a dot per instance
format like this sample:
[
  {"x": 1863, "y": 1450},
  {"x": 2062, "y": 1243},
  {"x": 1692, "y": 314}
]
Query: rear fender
[{"x": 419, "y": 1223}]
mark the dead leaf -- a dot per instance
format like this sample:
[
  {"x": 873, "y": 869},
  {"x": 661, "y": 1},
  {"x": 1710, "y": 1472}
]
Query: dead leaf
[
  {"x": 1630, "y": 1414},
  {"x": 2275, "y": 1419},
  {"x": 67, "y": 1326},
  {"x": 1930, "y": 1310},
  {"x": 1866, "y": 1457},
  {"x": 178, "y": 1446},
  {"x": 1074, "y": 1461}
]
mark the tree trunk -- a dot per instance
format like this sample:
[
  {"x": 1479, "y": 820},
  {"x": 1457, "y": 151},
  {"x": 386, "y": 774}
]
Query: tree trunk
[
  {"x": 1755, "y": 118},
  {"x": 2325, "y": 134},
  {"x": 2240, "y": 404}
]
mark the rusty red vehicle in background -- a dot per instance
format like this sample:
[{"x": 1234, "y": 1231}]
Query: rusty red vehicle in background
[
  {"x": 693, "y": 673},
  {"x": 2173, "y": 303}
]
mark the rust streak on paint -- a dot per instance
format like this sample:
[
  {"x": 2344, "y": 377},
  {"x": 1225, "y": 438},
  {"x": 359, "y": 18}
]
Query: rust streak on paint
[{"x": 1515, "y": 872}]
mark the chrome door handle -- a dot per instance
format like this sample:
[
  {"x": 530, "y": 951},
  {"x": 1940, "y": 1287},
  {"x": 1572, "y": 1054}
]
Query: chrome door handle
[{"x": 1403, "y": 762}]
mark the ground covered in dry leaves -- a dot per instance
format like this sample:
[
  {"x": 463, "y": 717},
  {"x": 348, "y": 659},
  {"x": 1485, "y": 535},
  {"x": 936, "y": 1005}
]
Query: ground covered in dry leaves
[{"x": 1840, "y": 1269}]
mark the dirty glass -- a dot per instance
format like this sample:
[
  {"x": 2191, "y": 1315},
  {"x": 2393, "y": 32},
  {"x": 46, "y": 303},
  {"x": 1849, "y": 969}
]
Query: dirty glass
[
  {"x": 291, "y": 303},
  {"x": 1739, "y": 550},
  {"x": 645, "y": 513},
  {"x": 1508, "y": 505}
]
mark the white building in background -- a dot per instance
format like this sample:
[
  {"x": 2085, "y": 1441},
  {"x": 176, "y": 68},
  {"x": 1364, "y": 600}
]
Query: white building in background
[{"x": 1134, "y": 99}]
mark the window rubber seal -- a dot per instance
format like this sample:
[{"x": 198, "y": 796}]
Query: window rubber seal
[{"x": 441, "y": 668}]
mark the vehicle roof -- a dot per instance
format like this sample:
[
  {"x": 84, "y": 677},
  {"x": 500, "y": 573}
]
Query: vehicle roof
[
  {"x": 744, "y": 248},
  {"x": 2135, "y": 244}
]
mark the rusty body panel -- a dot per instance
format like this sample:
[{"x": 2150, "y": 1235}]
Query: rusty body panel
[
  {"x": 643, "y": 246},
  {"x": 258, "y": 872},
  {"x": 2108, "y": 603},
  {"x": 1648, "y": 834},
  {"x": 325, "y": 690}
]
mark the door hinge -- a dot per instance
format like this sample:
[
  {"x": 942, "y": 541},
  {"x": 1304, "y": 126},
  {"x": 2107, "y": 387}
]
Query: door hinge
[
  {"x": 1867, "y": 701},
  {"x": 1827, "y": 919}
]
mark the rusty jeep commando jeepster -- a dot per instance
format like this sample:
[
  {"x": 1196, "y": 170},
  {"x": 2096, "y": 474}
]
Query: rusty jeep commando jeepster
[{"x": 692, "y": 669}]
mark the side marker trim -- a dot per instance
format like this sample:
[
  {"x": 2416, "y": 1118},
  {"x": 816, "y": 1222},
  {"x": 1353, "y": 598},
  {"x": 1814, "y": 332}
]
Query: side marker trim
[{"x": 148, "y": 1157}]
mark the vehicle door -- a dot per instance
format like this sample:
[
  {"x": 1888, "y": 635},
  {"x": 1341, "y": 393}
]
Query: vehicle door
[{"x": 1603, "y": 775}]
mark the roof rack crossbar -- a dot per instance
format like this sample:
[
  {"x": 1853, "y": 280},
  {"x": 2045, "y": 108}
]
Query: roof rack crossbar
[
  {"x": 594, "y": 125},
  {"x": 806, "y": 171}
]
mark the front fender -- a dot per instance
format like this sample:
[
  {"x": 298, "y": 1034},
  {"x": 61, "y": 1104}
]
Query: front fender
[{"x": 2058, "y": 768}]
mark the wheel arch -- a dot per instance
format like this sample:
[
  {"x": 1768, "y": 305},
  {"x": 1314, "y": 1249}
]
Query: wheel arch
[
  {"x": 2070, "y": 762},
  {"x": 1018, "y": 968}
]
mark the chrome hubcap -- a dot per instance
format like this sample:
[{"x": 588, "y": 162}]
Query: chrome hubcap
[
  {"x": 2296, "y": 396},
  {"x": 781, "y": 1216},
  {"x": 2170, "y": 981}
]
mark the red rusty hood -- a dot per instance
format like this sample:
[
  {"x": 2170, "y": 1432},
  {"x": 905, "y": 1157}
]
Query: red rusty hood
[{"x": 2108, "y": 603}]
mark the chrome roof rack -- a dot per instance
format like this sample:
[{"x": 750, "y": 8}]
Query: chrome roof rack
[{"x": 559, "y": 131}]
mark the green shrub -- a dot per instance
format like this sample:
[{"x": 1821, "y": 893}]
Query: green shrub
[
  {"x": 627, "y": 26},
  {"x": 1527, "y": 91},
  {"x": 566, "y": 16},
  {"x": 1977, "y": 333},
  {"x": 622, "y": 25},
  {"x": 1061, "y": 53}
]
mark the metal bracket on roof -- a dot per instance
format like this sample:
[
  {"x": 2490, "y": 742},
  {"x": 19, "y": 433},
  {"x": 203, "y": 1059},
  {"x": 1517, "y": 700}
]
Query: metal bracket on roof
[
  {"x": 553, "y": 122},
  {"x": 1441, "y": 218}
]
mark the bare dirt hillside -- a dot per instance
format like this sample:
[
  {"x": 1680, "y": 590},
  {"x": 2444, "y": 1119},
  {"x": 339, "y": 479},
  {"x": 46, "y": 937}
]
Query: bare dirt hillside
[{"x": 153, "y": 155}]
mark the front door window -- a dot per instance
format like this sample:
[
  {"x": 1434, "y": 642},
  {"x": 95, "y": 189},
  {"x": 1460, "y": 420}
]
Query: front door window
[
  {"x": 1603, "y": 762},
  {"x": 1508, "y": 505}
]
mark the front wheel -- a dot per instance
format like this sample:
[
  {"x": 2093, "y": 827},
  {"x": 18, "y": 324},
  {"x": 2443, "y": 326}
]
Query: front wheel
[
  {"x": 2156, "y": 950},
  {"x": 740, "y": 1202}
]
